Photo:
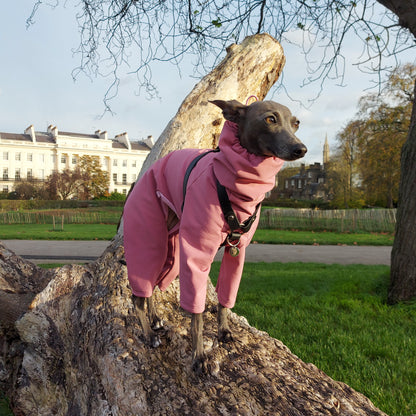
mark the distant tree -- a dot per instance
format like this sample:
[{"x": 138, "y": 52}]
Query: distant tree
[
  {"x": 385, "y": 121},
  {"x": 64, "y": 185},
  {"x": 346, "y": 165},
  {"x": 94, "y": 180},
  {"x": 26, "y": 189}
]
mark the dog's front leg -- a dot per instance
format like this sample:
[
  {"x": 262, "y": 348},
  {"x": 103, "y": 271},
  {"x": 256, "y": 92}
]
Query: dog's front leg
[
  {"x": 151, "y": 337},
  {"x": 224, "y": 331},
  {"x": 199, "y": 359},
  {"x": 155, "y": 321}
]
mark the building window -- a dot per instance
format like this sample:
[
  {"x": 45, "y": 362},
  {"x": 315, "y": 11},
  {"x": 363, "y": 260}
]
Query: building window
[
  {"x": 18, "y": 156},
  {"x": 292, "y": 182},
  {"x": 30, "y": 157},
  {"x": 133, "y": 177},
  {"x": 74, "y": 160},
  {"x": 124, "y": 191},
  {"x": 115, "y": 177},
  {"x": 115, "y": 162},
  {"x": 134, "y": 163},
  {"x": 17, "y": 174},
  {"x": 63, "y": 158},
  {"x": 124, "y": 179},
  {"x": 299, "y": 184},
  {"x": 5, "y": 174},
  {"x": 124, "y": 163},
  {"x": 29, "y": 174},
  {"x": 5, "y": 155},
  {"x": 286, "y": 184},
  {"x": 42, "y": 158},
  {"x": 5, "y": 189}
]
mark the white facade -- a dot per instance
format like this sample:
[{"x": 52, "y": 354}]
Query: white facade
[{"x": 37, "y": 154}]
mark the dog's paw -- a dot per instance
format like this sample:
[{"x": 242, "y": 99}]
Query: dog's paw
[
  {"x": 155, "y": 341},
  {"x": 201, "y": 365},
  {"x": 157, "y": 323},
  {"x": 225, "y": 336}
]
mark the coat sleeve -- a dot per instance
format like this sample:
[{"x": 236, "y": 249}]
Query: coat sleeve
[{"x": 201, "y": 233}]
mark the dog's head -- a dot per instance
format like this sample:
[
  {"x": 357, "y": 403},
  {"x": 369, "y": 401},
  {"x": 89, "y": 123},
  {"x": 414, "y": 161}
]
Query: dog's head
[{"x": 266, "y": 128}]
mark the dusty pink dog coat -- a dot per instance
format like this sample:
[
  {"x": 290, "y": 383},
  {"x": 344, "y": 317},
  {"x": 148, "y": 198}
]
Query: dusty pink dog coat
[{"x": 155, "y": 256}]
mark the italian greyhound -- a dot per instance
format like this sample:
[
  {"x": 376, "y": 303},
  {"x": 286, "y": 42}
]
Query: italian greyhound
[{"x": 255, "y": 141}]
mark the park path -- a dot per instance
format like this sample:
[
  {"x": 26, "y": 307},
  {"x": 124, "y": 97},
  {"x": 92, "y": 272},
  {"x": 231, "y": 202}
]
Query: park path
[{"x": 46, "y": 251}]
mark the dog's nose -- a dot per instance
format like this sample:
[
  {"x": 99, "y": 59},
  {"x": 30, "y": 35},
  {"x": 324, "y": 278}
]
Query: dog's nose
[{"x": 299, "y": 151}]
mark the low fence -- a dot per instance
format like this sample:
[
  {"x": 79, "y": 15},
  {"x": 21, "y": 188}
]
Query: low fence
[
  {"x": 353, "y": 220},
  {"x": 67, "y": 217},
  {"x": 344, "y": 220}
]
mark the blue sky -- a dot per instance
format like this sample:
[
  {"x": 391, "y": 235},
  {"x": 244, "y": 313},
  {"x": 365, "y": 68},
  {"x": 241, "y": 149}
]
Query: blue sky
[{"x": 37, "y": 87}]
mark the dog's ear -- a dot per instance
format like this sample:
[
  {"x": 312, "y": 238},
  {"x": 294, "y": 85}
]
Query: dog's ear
[{"x": 232, "y": 110}]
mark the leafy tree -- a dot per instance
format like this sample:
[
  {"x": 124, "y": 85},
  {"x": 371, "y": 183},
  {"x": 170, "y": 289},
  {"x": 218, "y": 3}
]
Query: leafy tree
[
  {"x": 63, "y": 185},
  {"x": 347, "y": 160},
  {"x": 94, "y": 180},
  {"x": 383, "y": 136},
  {"x": 26, "y": 189},
  {"x": 114, "y": 30},
  {"x": 369, "y": 146}
]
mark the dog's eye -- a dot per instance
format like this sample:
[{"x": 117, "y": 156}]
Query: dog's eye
[
  {"x": 270, "y": 120},
  {"x": 295, "y": 123}
]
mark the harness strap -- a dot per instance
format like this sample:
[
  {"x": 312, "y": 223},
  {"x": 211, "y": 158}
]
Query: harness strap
[
  {"x": 189, "y": 170},
  {"x": 236, "y": 228}
]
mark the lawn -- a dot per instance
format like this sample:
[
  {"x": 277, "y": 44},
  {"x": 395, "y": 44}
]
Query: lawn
[
  {"x": 107, "y": 231},
  {"x": 336, "y": 317}
]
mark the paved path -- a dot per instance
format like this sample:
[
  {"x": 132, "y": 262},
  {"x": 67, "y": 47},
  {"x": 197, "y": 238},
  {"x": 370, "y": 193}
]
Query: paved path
[{"x": 45, "y": 251}]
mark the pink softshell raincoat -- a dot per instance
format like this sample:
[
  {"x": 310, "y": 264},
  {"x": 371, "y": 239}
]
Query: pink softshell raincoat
[{"x": 155, "y": 256}]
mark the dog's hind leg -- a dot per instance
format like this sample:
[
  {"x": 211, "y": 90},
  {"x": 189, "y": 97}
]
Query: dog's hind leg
[
  {"x": 224, "y": 331},
  {"x": 151, "y": 337}
]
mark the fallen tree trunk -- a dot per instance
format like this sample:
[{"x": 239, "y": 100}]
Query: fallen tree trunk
[
  {"x": 248, "y": 69},
  {"x": 72, "y": 344}
]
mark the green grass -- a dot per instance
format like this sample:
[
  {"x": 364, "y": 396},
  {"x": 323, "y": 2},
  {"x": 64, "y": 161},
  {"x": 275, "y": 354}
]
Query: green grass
[
  {"x": 70, "y": 232},
  {"x": 322, "y": 238},
  {"x": 336, "y": 317},
  {"x": 4, "y": 406},
  {"x": 107, "y": 232}
]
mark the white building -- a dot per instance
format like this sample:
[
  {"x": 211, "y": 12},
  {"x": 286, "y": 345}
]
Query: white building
[{"x": 35, "y": 155}]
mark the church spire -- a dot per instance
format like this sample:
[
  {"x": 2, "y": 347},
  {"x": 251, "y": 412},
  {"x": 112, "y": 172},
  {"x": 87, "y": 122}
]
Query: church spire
[{"x": 326, "y": 150}]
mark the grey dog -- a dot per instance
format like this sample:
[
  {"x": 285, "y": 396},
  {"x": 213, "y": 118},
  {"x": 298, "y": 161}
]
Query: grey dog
[{"x": 265, "y": 129}]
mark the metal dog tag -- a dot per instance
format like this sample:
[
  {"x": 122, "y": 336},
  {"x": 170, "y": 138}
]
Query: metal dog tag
[{"x": 234, "y": 251}]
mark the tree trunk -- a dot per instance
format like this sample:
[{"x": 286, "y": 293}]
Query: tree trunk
[
  {"x": 248, "y": 69},
  {"x": 403, "y": 255},
  {"x": 73, "y": 346}
]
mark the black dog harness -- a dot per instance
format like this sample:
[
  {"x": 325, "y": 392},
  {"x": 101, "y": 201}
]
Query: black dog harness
[{"x": 236, "y": 228}]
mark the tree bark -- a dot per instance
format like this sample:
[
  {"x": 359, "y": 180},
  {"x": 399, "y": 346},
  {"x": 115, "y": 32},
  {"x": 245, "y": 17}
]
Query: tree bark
[
  {"x": 248, "y": 69},
  {"x": 405, "y": 10},
  {"x": 403, "y": 256},
  {"x": 72, "y": 344}
]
